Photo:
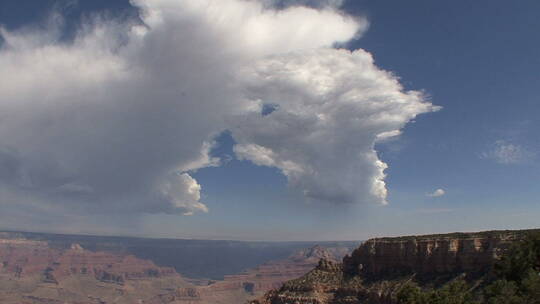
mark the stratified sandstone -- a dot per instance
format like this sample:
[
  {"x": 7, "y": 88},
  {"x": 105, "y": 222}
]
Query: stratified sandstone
[
  {"x": 376, "y": 270},
  {"x": 273, "y": 274},
  {"x": 26, "y": 258},
  {"x": 255, "y": 282},
  {"x": 200, "y": 260},
  {"x": 429, "y": 255},
  {"x": 33, "y": 272}
]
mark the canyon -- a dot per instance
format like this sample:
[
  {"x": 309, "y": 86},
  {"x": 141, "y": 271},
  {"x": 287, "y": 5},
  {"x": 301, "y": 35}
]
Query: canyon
[
  {"x": 380, "y": 267},
  {"x": 33, "y": 272},
  {"x": 196, "y": 259},
  {"x": 56, "y": 269},
  {"x": 48, "y": 270}
]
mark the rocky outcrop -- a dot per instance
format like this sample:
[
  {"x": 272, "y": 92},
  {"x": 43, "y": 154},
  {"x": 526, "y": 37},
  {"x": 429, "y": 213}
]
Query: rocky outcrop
[
  {"x": 429, "y": 255},
  {"x": 376, "y": 270},
  {"x": 274, "y": 273},
  {"x": 255, "y": 282},
  {"x": 197, "y": 259},
  {"x": 23, "y": 258},
  {"x": 33, "y": 272},
  {"x": 37, "y": 272}
]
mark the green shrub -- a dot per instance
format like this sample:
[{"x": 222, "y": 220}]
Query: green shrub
[
  {"x": 410, "y": 293},
  {"x": 455, "y": 292},
  {"x": 517, "y": 281},
  {"x": 521, "y": 258},
  {"x": 518, "y": 278},
  {"x": 502, "y": 292}
]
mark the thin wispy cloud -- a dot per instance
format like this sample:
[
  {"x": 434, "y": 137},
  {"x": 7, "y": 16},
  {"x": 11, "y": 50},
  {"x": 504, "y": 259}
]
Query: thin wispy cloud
[
  {"x": 437, "y": 193},
  {"x": 507, "y": 153}
]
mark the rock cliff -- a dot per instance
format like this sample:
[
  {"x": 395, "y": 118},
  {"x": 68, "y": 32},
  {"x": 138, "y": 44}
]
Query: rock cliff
[
  {"x": 376, "y": 270},
  {"x": 23, "y": 258},
  {"x": 274, "y": 273},
  {"x": 197, "y": 259},
  {"x": 38, "y": 272},
  {"x": 429, "y": 255},
  {"x": 254, "y": 282},
  {"x": 33, "y": 272}
]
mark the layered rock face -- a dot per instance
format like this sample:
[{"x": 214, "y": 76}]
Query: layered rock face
[
  {"x": 255, "y": 282},
  {"x": 274, "y": 273},
  {"x": 24, "y": 258},
  {"x": 428, "y": 255},
  {"x": 33, "y": 272},
  {"x": 39, "y": 272},
  {"x": 197, "y": 259},
  {"x": 376, "y": 270}
]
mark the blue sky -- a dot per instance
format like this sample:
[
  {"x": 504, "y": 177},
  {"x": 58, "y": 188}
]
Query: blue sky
[{"x": 478, "y": 60}]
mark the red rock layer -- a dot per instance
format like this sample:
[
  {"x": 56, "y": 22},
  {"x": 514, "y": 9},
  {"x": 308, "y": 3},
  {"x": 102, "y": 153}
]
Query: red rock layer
[
  {"x": 272, "y": 274},
  {"x": 23, "y": 258},
  {"x": 380, "y": 267},
  {"x": 426, "y": 255}
]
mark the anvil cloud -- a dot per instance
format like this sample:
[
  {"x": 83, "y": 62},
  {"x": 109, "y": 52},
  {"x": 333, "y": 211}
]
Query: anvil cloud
[{"x": 118, "y": 118}]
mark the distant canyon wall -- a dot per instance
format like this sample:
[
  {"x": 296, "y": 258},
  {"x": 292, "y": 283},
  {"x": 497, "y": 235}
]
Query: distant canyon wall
[
  {"x": 53, "y": 272},
  {"x": 22, "y": 258}
]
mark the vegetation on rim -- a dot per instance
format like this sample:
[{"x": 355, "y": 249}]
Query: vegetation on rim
[{"x": 515, "y": 279}]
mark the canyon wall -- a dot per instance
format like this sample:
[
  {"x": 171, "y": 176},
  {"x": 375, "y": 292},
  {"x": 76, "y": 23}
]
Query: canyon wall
[
  {"x": 34, "y": 271},
  {"x": 376, "y": 270},
  {"x": 196, "y": 259},
  {"x": 23, "y": 258},
  {"x": 274, "y": 273},
  {"x": 429, "y": 255},
  {"x": 31, "y": 272},
  {"x": 254, "y": 282}
]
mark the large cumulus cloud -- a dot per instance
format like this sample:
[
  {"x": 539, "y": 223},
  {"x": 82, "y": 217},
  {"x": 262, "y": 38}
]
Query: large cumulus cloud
[
  {"x": 331, "y": 107},
  {"x": 118, "y": 118}
]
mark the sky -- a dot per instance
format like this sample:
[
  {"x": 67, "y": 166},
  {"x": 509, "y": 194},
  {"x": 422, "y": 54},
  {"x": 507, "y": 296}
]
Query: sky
[{"x": 269, "y": 120}]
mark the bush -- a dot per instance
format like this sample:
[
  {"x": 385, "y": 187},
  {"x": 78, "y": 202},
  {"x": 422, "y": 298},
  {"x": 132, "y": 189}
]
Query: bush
[
  {"x": 456, "y": 292},
  {"x": 520, "y": 259},
  {"x": 517, "y": 281},
  {"x": 518, "y": 277},
  {"x": 410, "y": 293},
  {"x": 502, "y": 292}
]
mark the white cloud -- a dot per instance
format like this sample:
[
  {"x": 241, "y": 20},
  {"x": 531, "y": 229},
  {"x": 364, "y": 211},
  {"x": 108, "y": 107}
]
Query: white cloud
[
  {"x": 504, "y": 152},
  {"x": 332, "y": 107},
  {"x": 437, "y": 193},
  {"x": 311, "y": 3},
  {"x": 183, "y": 192},
  {"x": 121, "y": 115}
]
